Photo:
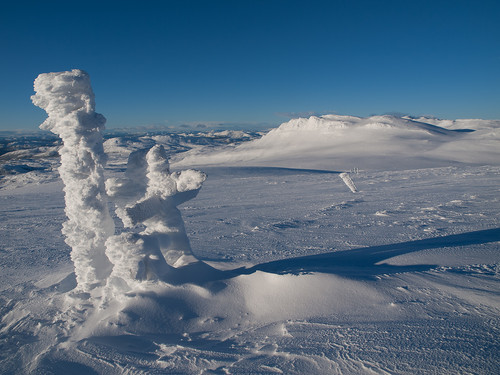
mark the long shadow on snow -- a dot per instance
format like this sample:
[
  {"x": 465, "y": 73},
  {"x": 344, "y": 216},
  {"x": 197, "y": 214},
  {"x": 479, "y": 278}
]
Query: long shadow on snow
[
  {"x": 262, "y": 171},
  {"x": 365, "y": 262}
]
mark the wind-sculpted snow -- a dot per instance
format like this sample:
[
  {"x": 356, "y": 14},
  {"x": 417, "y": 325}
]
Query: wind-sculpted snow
[
  {"x": 150, "y": 199},
  {"x": 68, "y": 99},
  {"x": 148, "y": 195}
]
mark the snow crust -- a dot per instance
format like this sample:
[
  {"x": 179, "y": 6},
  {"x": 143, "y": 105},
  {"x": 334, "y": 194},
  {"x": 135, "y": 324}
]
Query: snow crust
[{"x": 333, "y": 282}]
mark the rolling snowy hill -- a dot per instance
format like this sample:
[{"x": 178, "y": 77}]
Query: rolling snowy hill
[{"x": 336, "y": 142}]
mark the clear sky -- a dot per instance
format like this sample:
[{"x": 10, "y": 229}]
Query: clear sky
[{"x": 238, "y": 61}]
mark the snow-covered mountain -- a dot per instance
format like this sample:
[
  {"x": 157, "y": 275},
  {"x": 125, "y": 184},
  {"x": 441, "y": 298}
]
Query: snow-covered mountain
[{"x": 336, "y": 142}]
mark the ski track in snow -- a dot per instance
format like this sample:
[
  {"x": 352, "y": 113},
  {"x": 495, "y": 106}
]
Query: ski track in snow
[{"x": 402, "y": 277}]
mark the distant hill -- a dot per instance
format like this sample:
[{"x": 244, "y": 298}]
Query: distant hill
[{"x": 337, "y": 142}]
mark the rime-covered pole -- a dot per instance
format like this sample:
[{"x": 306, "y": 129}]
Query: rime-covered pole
[
  {"x": 68, "y": 99},
  {"x": 348, "y": 181}
]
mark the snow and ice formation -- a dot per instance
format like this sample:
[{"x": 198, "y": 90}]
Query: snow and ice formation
[
  {"x": 68, "y": 99},
  {"x": 147, "y": 196}
]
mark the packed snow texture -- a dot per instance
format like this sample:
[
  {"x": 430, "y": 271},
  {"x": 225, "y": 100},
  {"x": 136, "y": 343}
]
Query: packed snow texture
[{"x": 289, "y": 271}]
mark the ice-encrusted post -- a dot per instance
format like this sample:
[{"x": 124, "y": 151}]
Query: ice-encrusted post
[
  {"x": 68, "y": 99},
  {"x": 348, "y": 181}
]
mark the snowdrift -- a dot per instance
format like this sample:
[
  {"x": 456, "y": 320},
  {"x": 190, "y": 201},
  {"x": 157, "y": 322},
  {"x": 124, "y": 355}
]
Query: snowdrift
[{"x": 339, "y": 143}]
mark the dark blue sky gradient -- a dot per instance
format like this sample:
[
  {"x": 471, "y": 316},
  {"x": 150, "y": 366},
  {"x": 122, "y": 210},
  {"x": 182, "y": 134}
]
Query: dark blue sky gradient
[{"x": 175, "y": 62}]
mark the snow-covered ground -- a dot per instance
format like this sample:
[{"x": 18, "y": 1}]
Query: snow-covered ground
[{"x": 299, "y": 274}]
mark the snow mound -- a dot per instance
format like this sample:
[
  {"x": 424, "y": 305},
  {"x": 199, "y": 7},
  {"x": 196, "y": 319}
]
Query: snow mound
[{"x": 335, "y": 142}]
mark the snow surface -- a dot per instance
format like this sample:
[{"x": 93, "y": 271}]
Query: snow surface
[{"x": 290, "y": 271}]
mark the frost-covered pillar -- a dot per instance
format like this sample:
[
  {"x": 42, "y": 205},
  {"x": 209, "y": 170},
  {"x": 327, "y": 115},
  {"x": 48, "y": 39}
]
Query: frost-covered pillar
[
  {"x": 165, "y": 191},
  {"x": 68, "y": 99},
  {"x": 148, "y": 197}
]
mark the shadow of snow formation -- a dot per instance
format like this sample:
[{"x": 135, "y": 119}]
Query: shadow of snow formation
[
  {"x": 361, "y": 263},
  {"x": 262, "y": 171}
]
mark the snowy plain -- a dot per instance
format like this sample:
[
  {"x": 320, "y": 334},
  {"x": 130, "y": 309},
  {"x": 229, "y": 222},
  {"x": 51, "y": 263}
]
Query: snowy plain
[{"x": 298, "y": 273}]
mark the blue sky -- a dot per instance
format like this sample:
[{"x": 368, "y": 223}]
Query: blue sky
[{"x": 254, "y": 62}]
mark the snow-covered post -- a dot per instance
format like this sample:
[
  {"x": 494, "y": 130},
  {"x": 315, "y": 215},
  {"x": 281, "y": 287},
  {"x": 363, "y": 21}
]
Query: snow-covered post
[
  {"x": 348, "y": 181},
  {"x": 68, "y": 99}
]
